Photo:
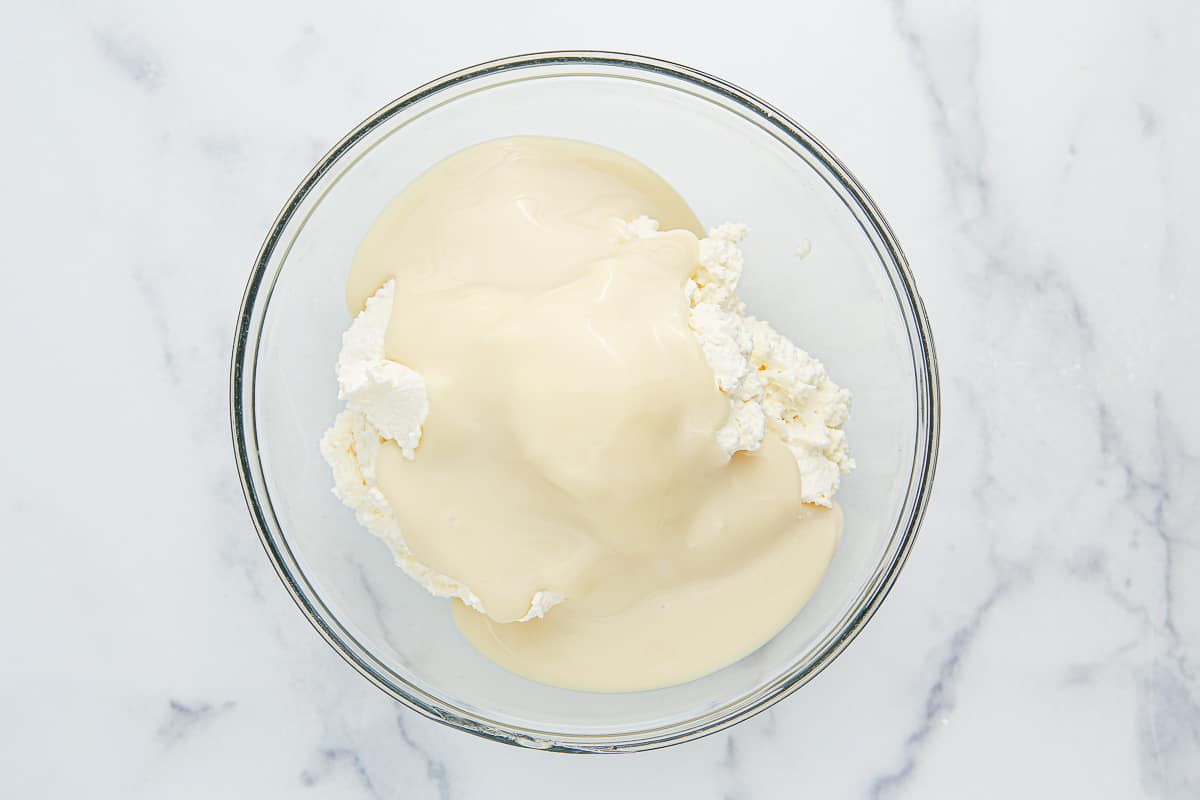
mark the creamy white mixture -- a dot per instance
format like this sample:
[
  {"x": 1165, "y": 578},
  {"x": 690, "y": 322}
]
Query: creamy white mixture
[
  {"x": 561, "y": 416},
  {"x": 769, "y": 382}
]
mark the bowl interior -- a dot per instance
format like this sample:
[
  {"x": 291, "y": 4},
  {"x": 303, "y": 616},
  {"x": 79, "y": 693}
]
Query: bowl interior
[{"x": 841, "y": 302}]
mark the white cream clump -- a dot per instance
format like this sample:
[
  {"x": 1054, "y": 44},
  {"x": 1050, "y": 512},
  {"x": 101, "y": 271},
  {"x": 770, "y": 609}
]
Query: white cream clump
[
  {"x": 769, "y": 381},
  {"x": 386, "y": 401},
  {"x": 390, "y": 395}
]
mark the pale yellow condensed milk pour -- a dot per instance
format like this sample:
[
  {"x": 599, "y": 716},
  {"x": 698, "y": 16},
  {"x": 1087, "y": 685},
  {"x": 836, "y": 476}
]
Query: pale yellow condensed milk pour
[{"x": 570, "y": 445}]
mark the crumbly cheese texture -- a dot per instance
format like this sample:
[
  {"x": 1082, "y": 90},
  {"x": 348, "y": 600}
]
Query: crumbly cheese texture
[
  {"x": 385, "y": 401},
  {"x": 770, "y": 383},
  {"x": 388, "y": 394}
]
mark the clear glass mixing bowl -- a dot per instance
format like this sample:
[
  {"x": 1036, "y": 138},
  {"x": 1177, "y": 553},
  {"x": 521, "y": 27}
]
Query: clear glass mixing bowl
[{"x": 851, "y": 302}]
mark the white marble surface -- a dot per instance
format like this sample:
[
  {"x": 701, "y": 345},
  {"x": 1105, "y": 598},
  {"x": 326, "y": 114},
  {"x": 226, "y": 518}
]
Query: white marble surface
[{"x": 1038, "y": 162}]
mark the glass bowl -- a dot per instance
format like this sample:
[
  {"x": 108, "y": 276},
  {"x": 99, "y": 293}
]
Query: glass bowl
[{"x": 850, "y": 301}]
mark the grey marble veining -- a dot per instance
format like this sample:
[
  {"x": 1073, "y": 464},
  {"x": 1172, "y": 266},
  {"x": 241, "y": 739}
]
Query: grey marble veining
[{"x": 1037, "y": 161}]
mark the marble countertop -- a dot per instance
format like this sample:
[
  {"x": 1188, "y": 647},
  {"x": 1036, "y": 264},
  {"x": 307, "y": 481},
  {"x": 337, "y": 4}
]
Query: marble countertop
[{"x": 1037, "y": 160}]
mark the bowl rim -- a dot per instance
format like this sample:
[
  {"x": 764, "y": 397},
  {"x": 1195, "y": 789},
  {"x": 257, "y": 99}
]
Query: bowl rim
[{"x": 245, "y": 443}]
